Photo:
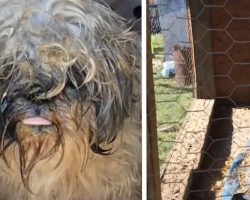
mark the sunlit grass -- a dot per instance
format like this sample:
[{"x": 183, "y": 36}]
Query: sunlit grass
[
  {"x": 172, "y": 102},
  {"x": 157, "y": 46}
]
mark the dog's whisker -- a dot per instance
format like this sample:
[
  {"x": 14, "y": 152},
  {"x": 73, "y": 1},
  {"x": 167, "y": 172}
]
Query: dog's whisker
[
  {"x": 74, "y": 82},
  {"x": 2, "y": 153},
  {"x": 59, "y": 142},
  {"x": 86, "y": 155},
  {"x": 5, "y": 146},
  {"x": 2, "y": 138},
  {"x": 24, "y": 174},
  {"x": 83, "y": 114}
]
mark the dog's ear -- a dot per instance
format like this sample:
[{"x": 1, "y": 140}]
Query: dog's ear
[
  {"x": 111, "y": 78},
  {"x": 108, "y": 64},
  {"x": 114, "y": 85},
  {"x": 121, "y": 90},
  {"x": 118, "y": 89}
]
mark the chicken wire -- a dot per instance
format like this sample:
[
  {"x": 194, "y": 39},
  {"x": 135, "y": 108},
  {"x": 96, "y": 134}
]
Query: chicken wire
[{"x": 202, "y": 118}]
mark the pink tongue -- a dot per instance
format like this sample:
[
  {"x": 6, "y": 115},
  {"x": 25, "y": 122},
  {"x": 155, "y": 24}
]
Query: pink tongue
[{"x": 36, "y": 121}]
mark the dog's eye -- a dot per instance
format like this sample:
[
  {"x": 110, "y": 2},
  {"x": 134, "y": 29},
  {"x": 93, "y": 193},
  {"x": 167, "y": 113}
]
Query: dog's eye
[{"x": 71, "y": 92}]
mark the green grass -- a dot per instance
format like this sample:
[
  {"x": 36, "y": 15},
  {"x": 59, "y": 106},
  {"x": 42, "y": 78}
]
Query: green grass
[
  {"x": 157, "y": 44},
  {"x": 172, "y": 103}
]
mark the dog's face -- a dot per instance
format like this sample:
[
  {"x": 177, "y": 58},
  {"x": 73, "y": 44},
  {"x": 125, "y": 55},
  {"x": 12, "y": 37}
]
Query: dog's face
[{"x": 67, "y": 69}]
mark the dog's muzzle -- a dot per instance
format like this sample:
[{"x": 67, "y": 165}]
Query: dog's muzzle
[{"x": 21, "y": 105}]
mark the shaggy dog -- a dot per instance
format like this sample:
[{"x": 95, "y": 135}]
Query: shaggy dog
[{"x": 70, "y": 111}]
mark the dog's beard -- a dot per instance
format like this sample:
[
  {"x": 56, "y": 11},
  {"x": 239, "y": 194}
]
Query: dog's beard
[
  {"x": 64, "y": 147},
  {"x": 34, "y": 143}
]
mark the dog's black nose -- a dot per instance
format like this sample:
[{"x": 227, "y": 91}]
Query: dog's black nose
[{"x": 27, "y": 94}]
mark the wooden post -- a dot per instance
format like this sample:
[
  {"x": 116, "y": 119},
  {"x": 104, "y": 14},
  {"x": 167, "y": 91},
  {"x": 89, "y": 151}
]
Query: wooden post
[
  {"x": 153, "y": 169},
  {"x": 190, "y": 34},
  {"x": 202, "y": 45}
]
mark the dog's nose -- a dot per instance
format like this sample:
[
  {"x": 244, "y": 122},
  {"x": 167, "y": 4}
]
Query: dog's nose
[{"x": 28, "y": 93}]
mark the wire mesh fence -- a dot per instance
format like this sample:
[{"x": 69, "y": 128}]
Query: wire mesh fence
[{"x": 201, "y": 71}]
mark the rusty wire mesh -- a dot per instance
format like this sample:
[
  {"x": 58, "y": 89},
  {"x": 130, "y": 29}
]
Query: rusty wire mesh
[{"x": 201, "y": 68}]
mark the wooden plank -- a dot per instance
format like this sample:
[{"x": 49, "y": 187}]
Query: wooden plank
[
  {"x": 192, "y": 63},
  {"x": 202, "y": 46},
  {"x": 153, "y": 169},
  {"x": 239, "y": 8},
  {"x": 221, "y": 49}
]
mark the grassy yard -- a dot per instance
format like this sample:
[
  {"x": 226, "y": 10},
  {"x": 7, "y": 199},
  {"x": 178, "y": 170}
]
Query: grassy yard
[
  {"x": 157, "y": 44},
  {"x": 172, "y": 101}
]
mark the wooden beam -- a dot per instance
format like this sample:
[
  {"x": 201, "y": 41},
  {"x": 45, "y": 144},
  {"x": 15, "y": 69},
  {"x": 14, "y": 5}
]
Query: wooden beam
[{"x": 153, "y": 169}]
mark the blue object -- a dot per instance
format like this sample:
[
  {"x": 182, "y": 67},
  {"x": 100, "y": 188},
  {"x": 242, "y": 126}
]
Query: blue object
[
  {"x": 168, "y": 69},
  {"x": 232, "y": 181},
  {"x": 237, "y": 161}
]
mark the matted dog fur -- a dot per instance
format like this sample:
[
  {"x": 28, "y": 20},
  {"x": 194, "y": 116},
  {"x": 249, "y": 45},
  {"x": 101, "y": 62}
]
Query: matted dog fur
[{"x": 70, "y": 111}]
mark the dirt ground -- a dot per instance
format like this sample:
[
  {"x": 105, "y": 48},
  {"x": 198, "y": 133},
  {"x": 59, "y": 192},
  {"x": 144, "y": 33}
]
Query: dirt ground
[
  {"x": 186, "y": 152},
  {"x": 204, "y": 152},
  {"x": 239, "y": 144}
]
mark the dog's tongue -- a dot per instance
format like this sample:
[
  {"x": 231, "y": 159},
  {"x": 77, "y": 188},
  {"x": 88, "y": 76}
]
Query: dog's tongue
[{"x": 36, "y": 121}]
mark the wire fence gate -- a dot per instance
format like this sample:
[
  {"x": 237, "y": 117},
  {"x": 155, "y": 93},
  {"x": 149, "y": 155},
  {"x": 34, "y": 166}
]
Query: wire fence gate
[{"x": 201, "y": 79}]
